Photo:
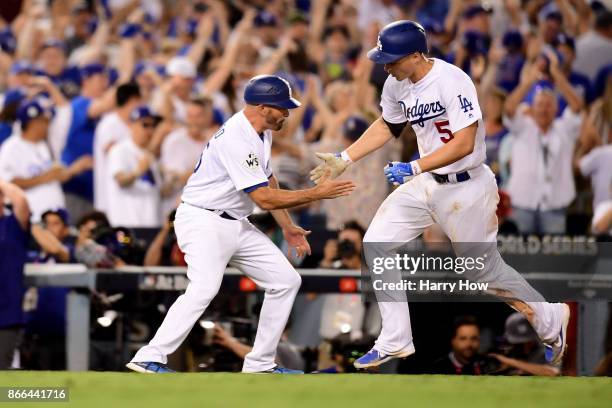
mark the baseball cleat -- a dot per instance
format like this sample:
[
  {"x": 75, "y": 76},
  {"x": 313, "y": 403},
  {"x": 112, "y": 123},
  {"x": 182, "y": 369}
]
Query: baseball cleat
[
  {"x": 281, "y": 370},
  {"x": 374, "y": 358},
  {"x": 149, "y": 367},
  {"x": 554, "y": 352}
]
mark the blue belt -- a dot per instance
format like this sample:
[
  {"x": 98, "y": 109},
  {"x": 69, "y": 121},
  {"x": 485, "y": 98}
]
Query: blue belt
[{"x": 444, "y": 178}]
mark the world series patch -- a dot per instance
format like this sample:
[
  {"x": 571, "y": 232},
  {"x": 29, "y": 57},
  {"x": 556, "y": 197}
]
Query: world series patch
[{"x": 252, "y": 161}]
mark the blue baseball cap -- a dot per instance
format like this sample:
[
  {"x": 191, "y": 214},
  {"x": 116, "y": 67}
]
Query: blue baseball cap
[
  {"x": 565, "y": 40},
  {"x": 21, "y": 67},
  {"x": 13, "y": 96},
  {"x": 93, "y": 69},
  {"x": 144, "y": 66},
  {"x": 431, "y": 25},
  {"x": 354, "y": 127},
  {"x": 476, "y": 42},
  {"x": 473, "y": 11},
  {"x": 264, "y": 19},
  {"x": 33, "y": 109},
  {"x": 54, "y": 43},
  {"x": 8, "y": 42},
  {"x": 512, "y": 39},
  {"x": 143, "y": 112}
]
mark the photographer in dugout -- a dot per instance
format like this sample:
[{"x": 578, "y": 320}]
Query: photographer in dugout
[
  {"x": 344, "y": 252},
  {"x": 522, "y": 353}
]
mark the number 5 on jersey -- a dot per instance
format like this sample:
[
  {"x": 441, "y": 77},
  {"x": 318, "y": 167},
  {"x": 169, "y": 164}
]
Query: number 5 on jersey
[{"x": 442, "y": 130}]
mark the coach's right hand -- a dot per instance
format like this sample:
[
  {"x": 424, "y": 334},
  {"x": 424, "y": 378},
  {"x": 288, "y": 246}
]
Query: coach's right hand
[{"x": 328, "y": 188}]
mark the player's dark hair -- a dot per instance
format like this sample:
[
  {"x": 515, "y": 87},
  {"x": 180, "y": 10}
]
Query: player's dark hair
[
  {"x": 461, "y": 321},
  {"x": 354, "y": 225},
  {"x": 125, "y": 92}
]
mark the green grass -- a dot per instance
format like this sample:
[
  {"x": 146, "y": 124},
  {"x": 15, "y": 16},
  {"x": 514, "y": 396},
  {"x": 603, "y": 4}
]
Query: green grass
[{"x": 93, "y": 389}]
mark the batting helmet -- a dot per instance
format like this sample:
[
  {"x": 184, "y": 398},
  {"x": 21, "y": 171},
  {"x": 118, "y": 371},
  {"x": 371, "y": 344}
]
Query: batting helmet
[
  {"x": 270, "y": 90},
  {"x": 398, "y": 39}
]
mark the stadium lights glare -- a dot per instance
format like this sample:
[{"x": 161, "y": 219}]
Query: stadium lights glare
[
  {"x": 207, "y": 324},
  {"x": 345, "y": 328},
  {"x": 108, "y": 318}
]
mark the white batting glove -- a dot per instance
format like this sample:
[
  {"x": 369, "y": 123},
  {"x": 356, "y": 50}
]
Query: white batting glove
[{"x": 334, "y": 162}]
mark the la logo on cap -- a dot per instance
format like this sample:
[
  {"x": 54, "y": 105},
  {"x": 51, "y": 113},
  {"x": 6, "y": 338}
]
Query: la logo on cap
[{"x": 378, "y": 44}]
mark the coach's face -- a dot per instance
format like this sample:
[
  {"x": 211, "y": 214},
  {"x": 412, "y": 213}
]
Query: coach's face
[
  {"x": 466, "y": 342},
  {"x": 274, "y": 117}
]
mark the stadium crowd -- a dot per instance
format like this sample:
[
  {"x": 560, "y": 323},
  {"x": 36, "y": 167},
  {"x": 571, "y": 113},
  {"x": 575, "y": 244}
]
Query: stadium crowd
[{"x": 106, "y": 106}]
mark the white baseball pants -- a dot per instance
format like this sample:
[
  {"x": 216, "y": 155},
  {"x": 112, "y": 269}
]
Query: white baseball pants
[
  {"x": 466, "y": 213},
  {"x": 210, "y": 243}
]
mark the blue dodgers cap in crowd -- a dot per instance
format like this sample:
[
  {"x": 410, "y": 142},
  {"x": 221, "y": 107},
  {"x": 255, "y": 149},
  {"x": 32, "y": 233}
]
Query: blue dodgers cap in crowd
[
  {"x": 264, "y": 19},
  {"x": 33, "y": 109},
  {"x": 14, "y": 96},
  {"x": 475, "y": 10},
  {"x": 54, "y": 43},
  {"x": 8, "y": 42},
  {"x": 144, "y": 66},
  {"x": 512, "y": 39},
  {"x": 354, "y": 127},
  {"x": 92, "y": 69},
  {"x": 432, "y": 26},
  {"x": 563, "y": 39},
  {"x": 22, "y": 67},
  {"x": 476, "y": 42},
  {"x": 550, "y": 12},
  {"x": 142, "y": 112}
]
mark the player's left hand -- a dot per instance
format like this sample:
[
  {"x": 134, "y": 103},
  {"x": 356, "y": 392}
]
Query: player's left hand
[
  {"x": 399, "y": 173},
  {"x": 296, "y": 238}
]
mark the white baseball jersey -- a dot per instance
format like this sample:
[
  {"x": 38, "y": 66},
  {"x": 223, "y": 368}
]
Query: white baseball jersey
[
  {"x": 137, "y": 205},
  {"x": 598, "y": 165},
  {"x": 235, "y": 162},
  {"x": 441, "y": 103},
  {"x": 179, "y": 154},
  {"x": 20, "y": 158},
  {"x": 110, "y": 130}
]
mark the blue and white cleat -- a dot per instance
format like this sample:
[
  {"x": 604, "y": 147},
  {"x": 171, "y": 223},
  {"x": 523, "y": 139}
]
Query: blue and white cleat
[
  {"x": 554, "y": 352},
  {"x": 281, "y": 370},
  {"x": 149, "y": 367},
  {"x": 374, "y": 358}
]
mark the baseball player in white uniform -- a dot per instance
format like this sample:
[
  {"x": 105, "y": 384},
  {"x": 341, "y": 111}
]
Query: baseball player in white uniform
[
  {"x": 449, "y": 185},
  {"x": 232, "y": 175}
]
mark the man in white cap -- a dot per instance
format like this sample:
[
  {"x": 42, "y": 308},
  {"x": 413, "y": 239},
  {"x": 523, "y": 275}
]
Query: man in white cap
[{"x": 174, "y": 95}]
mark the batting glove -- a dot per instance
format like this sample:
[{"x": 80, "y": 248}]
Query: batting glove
[
  {"x": 399, "y": 173},
  {"x": 334, "y": 162}
]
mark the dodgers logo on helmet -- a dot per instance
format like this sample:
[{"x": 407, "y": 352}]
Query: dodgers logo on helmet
[
  {"x": 270, "y": 90},
  {"x": 398, "y": 39}
]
